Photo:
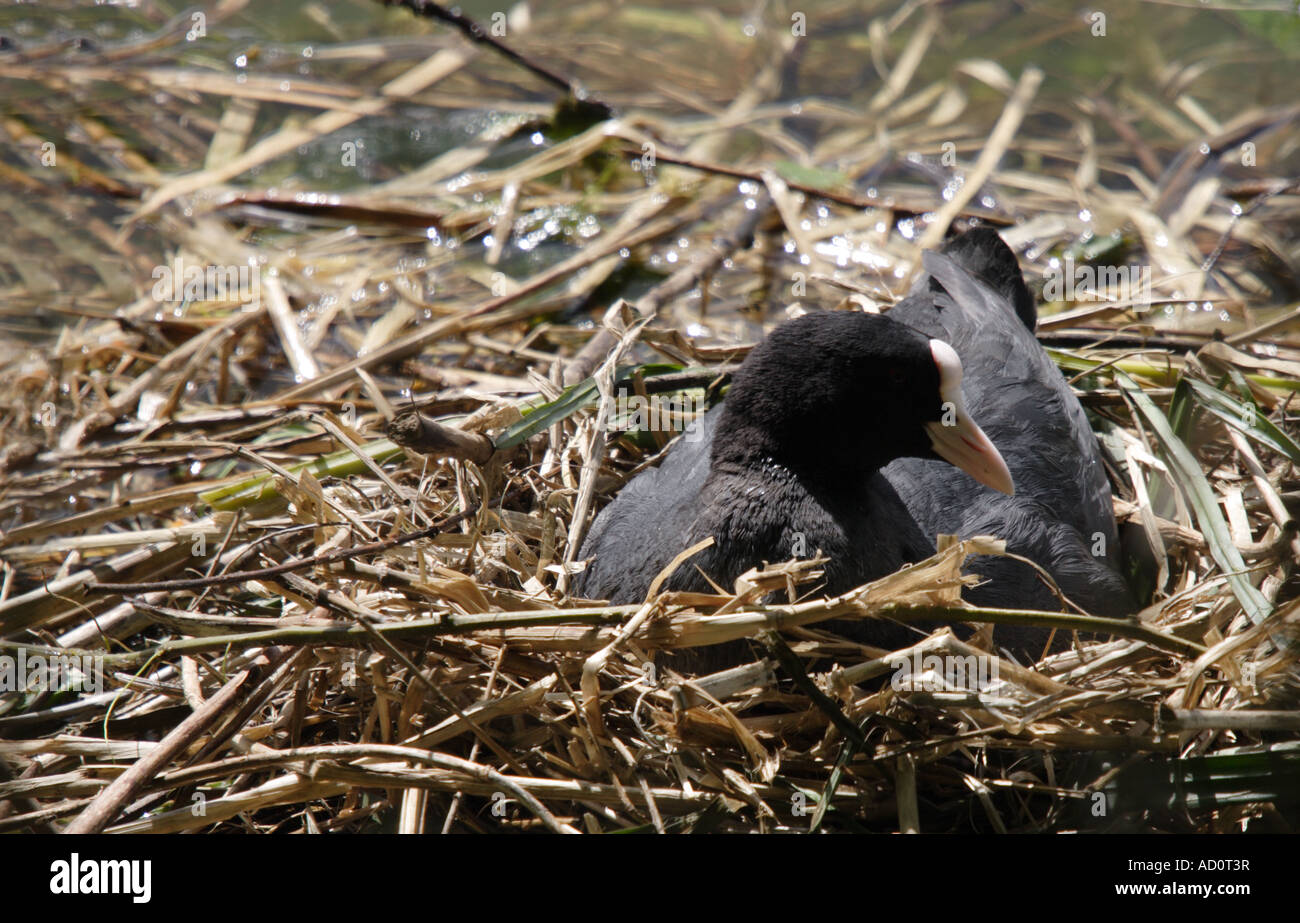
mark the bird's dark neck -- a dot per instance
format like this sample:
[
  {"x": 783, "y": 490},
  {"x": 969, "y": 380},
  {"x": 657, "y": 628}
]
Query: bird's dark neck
[{"x": 815, "y": 458}]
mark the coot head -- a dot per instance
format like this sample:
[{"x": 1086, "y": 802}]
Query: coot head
[{"x": 834, "y": 393}]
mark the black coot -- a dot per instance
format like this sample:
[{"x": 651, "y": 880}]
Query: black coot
[
  {"x": 828, "y": 440},
  {"x": 791, "y": 461},
  {"x": 974, "y": 297}
]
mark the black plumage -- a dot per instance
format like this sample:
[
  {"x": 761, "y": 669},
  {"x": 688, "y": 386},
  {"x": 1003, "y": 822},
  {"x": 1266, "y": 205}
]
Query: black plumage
[
  {"x": 827, "y": 441},
  {"x": 1061, "y": 515},
  {"x": 789, "y": 463}
]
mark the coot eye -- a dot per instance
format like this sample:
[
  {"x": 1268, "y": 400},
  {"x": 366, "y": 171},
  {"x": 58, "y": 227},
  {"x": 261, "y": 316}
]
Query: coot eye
[{"x": 897, "y": 375}]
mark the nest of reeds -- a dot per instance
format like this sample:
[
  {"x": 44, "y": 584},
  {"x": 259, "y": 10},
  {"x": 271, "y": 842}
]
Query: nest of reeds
[{"x": 294, "y": 555}]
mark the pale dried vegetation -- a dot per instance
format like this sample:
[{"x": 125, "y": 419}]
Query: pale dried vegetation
[{"x": 305, "y": 625}]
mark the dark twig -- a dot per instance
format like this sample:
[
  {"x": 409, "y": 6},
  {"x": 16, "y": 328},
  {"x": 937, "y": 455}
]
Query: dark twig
[
  {"x": 911, "y": 210},
  {"x": 790, "y": 662},
  {"x": 480, "y": 36}
]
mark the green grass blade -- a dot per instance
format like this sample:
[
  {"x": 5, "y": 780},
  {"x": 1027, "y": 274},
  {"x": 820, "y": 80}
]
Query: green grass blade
[
  {"x": 1209, "y": 782},
  {"x": 1186, "y": 472},
  {"x": 1246, "y": 418},
  {"x": 259, "y": 486},
  {"x": 574, "y": 398}
]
